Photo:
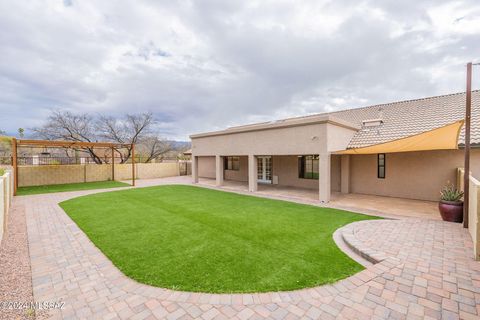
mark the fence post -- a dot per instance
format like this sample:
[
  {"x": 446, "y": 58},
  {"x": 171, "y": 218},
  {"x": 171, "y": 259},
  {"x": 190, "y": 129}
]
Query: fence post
[
  {"x": 113, "y": 164},
  {"x": 133, "y": 164},
  {"x": 15, "y": 166}
]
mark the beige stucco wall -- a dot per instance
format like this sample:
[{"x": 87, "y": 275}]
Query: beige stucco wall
[
  {"x": 413, "y": 175},
  {"x": 312, "y": 138},
  {"x": 6, "y": 195},
  {"x": 206, "y": 167},
  {"x": 60, "y": 174},
  {"x": 296, "y": 140},
  {"x": 335, "y": 171},
  {"x": 338, "y": 137},
  {"x": 474, "y": 215},
  {"x": 286, "y": 168},
  {"x": 313, "y": 135},
  {"x": 473, "y": 209}
]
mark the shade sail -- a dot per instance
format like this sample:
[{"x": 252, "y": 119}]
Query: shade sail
[{"x": 443, "y": 138}]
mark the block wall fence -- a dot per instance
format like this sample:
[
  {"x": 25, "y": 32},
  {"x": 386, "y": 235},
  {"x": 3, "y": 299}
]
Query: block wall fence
[
  {"x": 60, "y": 174},
  {"x": 473, "y": 209},
  {"x": 6, "y": 196}
]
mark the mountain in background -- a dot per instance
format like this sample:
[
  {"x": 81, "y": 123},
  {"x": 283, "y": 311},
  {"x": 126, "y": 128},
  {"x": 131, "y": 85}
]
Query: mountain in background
[{"x": 180, "y": 145}]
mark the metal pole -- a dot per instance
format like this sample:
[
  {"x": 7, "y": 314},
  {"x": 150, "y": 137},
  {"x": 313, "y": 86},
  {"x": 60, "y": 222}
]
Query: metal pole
[
  {"x": 15, "y": 166},
  {"x": 468, "y": 111},
  {"x": 133, "y": 164}
]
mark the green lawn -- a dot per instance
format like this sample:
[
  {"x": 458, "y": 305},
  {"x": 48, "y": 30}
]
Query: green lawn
[
  {"x": 23, "y": 191},
  {"x": 2, "y": 171},
  {"x": 196, "y": 239}
]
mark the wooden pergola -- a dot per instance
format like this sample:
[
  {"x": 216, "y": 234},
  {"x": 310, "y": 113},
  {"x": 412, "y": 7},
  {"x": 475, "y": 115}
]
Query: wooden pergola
[{"x": 68, "y": 144}]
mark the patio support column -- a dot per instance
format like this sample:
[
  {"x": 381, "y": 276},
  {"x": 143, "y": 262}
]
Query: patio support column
[
  {"x": 324, "y": 177},
  {"x": 195, "y": 169},
  {"x": 218, "y": 170},
  {"x": 252, "y": 173},
  {"x": 345, "y": 173}
]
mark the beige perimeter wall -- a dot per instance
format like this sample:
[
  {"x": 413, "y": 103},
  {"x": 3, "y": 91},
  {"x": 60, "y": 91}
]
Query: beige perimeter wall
[
  {"x": 474, "y": 215},
  {"x": 59, "y": 174},
  {"x": 6, "y": 196},
  {"x": 413, "y": 175},
  {"x": 473, "y": 209}
]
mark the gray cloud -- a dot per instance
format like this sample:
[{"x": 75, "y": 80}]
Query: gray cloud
[{"x": 205, "y": 65}]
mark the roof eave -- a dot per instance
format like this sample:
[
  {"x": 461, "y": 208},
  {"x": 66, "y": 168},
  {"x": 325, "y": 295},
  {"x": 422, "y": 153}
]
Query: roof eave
[{"x": 328, "y": 119}]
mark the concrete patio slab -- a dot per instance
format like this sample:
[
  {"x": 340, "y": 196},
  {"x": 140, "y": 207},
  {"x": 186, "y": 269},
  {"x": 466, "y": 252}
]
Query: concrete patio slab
[{"x": 377, "y": 205}]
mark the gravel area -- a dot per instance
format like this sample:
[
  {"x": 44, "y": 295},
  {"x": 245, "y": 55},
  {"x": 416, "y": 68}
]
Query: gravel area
[{"x": 15, "y": 273}]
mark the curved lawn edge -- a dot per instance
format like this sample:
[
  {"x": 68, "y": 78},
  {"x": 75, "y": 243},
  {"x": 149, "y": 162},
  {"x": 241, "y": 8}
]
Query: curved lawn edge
[{"x": 98, "y": 240}]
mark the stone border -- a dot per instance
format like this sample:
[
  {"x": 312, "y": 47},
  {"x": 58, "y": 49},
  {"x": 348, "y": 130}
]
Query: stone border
[{"x": 348, "y": 235}]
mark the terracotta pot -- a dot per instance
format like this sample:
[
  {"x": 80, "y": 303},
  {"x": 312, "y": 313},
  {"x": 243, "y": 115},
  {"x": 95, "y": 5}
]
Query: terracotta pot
[{"x": 451, "y": 210}]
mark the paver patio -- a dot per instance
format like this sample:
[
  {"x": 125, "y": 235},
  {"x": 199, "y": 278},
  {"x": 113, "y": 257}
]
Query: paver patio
[
  {"x": 377, "y": 205},
  {"x": 424, "y": 269}
]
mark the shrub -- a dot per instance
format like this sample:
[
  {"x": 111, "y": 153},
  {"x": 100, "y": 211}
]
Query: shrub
[{"x": 450, "y": 193}]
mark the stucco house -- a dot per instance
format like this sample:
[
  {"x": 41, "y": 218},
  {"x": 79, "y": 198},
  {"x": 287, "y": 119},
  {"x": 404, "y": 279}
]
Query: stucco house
[{"x": 400, "y": 149}]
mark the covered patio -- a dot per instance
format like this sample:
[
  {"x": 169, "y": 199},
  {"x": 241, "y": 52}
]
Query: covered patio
[
  {"x": 370, "y": 204},
  {"x": 312, "y": 158}
]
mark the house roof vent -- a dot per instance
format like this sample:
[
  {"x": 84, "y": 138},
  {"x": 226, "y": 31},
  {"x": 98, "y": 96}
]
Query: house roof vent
[{"x": 369, "y": 123}]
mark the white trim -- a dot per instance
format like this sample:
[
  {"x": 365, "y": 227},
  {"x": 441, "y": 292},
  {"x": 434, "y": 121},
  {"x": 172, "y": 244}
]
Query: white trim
[{"x": 264, "y": 170}]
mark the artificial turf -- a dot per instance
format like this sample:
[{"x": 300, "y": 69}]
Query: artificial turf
[
  {"x": 195, "y": 239},
  {"x": 23, "y": 191}
]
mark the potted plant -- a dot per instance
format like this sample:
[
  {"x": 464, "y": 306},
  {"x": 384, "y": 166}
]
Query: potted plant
[{"x": 451, "y": 205}]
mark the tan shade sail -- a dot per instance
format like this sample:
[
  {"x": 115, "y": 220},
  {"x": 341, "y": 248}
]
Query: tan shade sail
[{"x": 443, "y": 138}]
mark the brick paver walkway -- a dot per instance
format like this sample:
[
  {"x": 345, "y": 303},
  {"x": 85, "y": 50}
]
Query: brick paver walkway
[{"x": 424, "y": 270}]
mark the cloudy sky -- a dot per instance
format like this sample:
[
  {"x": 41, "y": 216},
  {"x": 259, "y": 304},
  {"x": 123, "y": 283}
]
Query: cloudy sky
[{"x": 204, "y": 65}]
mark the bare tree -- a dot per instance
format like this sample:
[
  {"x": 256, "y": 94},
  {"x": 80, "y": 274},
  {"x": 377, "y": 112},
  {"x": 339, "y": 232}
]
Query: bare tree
[
  {"x": 153, "y": 147},
  {"x": 64, "y": 125},
  {"x": 129, "y": 130}
]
